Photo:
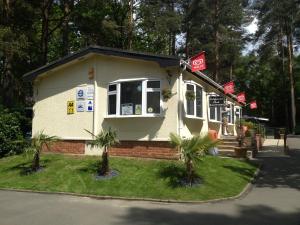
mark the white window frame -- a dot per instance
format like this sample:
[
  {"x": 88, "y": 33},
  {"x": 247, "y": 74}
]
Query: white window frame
[
  {"x": 240, "y": 112},
  {"x": 115, "y": 92},
  {"x": 230, "y": 122},
  {"x": 145, "y": 90},
  {"x": 190, "y": 82},
  {"x": 216, "y": 110}
]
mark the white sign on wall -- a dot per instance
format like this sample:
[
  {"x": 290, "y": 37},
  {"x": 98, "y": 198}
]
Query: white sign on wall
[
  {"x": 80, "y": 106},
  {"x": 89, "y": 106},
  {"x": 127, "y": 109},
  {"x": 80, "y": 93},
  {"x": 90, "y": 92}
]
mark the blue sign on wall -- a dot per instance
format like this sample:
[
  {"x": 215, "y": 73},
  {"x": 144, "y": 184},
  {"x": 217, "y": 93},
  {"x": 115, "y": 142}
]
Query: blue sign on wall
[
  {"x": 80, "y": 93},
  {"x": 89, "y": 105}
]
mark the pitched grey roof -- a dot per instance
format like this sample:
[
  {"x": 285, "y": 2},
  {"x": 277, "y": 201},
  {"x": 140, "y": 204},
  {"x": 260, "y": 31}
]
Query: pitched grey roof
[{"x": 163, "y": 61}]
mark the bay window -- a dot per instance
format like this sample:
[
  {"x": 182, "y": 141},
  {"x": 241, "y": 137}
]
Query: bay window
[
  {"x": 134, "y": 98},
  {"x": 194, "y": 107}
]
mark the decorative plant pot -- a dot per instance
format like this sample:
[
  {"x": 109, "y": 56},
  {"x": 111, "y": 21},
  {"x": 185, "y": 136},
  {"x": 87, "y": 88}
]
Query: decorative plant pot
[{"x": 167, "y": 94}]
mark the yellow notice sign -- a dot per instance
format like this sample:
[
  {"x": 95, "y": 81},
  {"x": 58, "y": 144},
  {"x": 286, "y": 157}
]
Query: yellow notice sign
[{"x": 70, "y": 107}]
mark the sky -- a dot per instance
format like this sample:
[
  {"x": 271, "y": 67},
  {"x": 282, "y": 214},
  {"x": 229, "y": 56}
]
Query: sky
[{"x": 251, "y": 29}]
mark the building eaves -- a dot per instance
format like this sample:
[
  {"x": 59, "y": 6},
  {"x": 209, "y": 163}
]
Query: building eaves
[{"x": 163, "y": 61}]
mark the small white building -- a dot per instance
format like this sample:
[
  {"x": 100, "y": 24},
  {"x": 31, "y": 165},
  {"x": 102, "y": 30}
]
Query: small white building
[{"x": 100, "y": 87}]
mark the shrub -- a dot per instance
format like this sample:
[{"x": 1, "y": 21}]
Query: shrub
[
  {"x": 249, "y": 124},
  {"x": 11, "y": 137}
]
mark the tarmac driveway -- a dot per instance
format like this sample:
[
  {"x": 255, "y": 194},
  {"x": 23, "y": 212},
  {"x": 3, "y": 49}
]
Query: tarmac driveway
[{"x": 274, "y": 200}]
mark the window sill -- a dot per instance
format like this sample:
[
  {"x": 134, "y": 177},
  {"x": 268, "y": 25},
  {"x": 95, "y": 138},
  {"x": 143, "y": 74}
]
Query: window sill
[
  {"x": 215, "y": 121},
  {"x": 134, "y": 116},
  {"x": 194, "y": 117}
]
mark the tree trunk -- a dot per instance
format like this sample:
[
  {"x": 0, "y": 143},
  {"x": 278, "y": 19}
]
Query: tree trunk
[
  {"x": 187, "y": 39},
  {"x": 67, "y": 5},
  {"x": 6, "y": 11},
  {"x": 130, "y": 27},
  {"x": 231, "y": 72},
  {"x": 217, "y": 42},
  {"x": 46, "y": 7},
  {"x": 173, "y": 43},
  {"x": 104, "y": 169},
  {"x": 292, "y": 83},
  {"x": 8, "y": 82}
]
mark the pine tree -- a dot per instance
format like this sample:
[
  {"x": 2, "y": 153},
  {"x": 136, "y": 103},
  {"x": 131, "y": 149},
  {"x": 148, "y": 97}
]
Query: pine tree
[
  {"x": 277, "y": 30},
  {"x": 215, "y": 26}
]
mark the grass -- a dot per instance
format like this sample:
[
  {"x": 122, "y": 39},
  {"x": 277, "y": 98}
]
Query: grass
[{"x": 221, "y": 177}]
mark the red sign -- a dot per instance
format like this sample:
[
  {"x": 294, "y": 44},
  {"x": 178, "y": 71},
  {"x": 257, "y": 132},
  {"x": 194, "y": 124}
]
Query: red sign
[
  {"x": 241, "y": 97},
  {"x": 229, "y": 88},
  {"x": 198, "y": 62},
  {"x": 253, "y": 105}
]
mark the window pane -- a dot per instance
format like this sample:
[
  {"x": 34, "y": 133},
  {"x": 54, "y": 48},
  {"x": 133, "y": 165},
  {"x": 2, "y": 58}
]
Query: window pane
[
  {"x": 237, "y": 114},
  {"x": 153, "y": 102},
  {"x": 112, "y": 87},
  {"x": 131, "y": 98},
  {"x": 190, "y": 107},
  {"x": 212, "y": 113},
  {"x": 153, "y": 84},
  {"x": 198, "y": 101},
  {"x": 112, "y": 103},
  {"x": 228, "y": 113},
  {"x": 190, "y": 87},
  {"x": 232, "y": 114},
  {"x": 218, "y": 113}
]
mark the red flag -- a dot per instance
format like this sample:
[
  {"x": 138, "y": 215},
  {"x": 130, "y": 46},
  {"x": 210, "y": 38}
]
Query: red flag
[
  {"x": 253, "y": 105},
  {"x": 229, "y": 88},
  {"x": 241, "y": 97},
  {"x": 198, "y": 62}
]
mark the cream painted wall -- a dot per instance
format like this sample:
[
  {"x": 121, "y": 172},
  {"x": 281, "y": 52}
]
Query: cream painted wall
[{"x": 51, "y": 93}]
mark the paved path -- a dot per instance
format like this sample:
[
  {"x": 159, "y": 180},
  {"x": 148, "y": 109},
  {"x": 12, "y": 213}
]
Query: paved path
[{"x": 274, "y": 200}]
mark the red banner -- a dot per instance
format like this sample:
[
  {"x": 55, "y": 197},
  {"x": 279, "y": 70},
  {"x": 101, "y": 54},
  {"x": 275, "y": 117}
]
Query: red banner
[
  {"x": 253, "y": 105},
  {"x": 241, "y": 97},
  {"x": 229, "y": 88},
  {"x": 198, "y": 62}
]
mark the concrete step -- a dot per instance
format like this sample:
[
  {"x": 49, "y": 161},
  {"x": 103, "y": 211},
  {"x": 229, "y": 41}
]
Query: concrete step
[
  {"x": 226, "y": 152},
  {"x": 235, "y": 143},
  {"x": 231, "y": 147},
  {"x": 228, "y": 137}
]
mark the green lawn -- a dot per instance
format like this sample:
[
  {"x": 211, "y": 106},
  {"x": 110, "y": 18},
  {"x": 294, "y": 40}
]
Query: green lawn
[{"x": 222, "y": 177}]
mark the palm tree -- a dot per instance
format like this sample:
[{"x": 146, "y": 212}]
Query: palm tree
[
  {"x": 37, "y": 142},
  {"x": 105, "y": 139},
  {"x": 192, "y": 150}
]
